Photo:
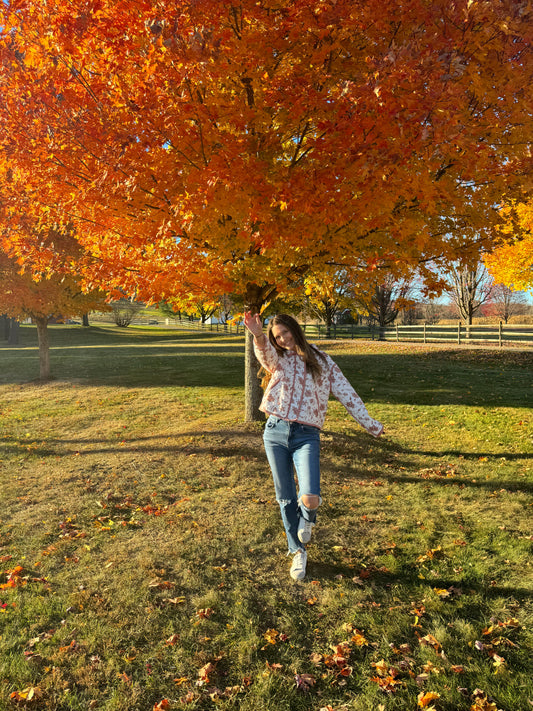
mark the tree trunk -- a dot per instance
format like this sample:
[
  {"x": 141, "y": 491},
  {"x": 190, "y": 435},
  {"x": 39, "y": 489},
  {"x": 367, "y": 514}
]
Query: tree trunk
[
  {"x": 4, "y": 327},
  {"x": 44, "y": 347},
  {"x": 85, "y": 319},
  {"x": 252, "y": 384},
  {"x": 254, "y": 298},
  {"x": 14, "y": 326}
]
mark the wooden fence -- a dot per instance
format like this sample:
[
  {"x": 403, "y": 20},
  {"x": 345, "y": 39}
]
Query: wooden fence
[{"x": 499, "y": 335}]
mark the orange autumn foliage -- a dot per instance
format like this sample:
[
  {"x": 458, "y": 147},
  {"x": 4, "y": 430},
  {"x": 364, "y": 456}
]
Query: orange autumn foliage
[
  {"x": 215, "y": 144},
  {"x": 41, "y": 297}
]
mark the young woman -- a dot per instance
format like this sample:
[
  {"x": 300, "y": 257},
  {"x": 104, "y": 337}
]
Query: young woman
[{"x": 301, "y": 378}]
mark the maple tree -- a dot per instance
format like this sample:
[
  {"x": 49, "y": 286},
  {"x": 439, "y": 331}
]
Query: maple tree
[
  {"x": 235, "y": 146},
  {"x": 471, "y": 287},
  {"x": 385, "y": 298},
  {"x": 24, "y": 296},
  {"x": 328, "y": 294},
  {"x": 511, "y": 263},
  {"x": 505, "y": 302}
]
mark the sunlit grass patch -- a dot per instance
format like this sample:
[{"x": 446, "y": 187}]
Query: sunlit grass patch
[{"x": 142, "y": 556}]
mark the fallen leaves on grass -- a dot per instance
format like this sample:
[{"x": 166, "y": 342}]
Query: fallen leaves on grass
[
  {"x": 431, "y": 554},
  {"x": 338, "y": 662},
  {"x": 172, "y": 640},
  {"x": 204, "y": 613},
  {"x": 14, "y": 578},
  {"x": 482, "y": 702},
  {"x": 205, "y": 671},
  {"x": 69, "y": 648},
  {"x": 271, "y": 636},
  {"x": 497, "y": 640},
  {"x": 430, "y": 641},
  {"x": 69, "y": 529},
  {"x": 388, "y": 684},
  {"x": 272, "y": 668},
  {"x": 304, "y": 681},
  {"x": 425, "y": 699},
  {"x": 386, "y": 677},
  {"x": 160, "y": 584},
  {"x": 179, "y": 681},
  {"x": 29, "y": 695}
]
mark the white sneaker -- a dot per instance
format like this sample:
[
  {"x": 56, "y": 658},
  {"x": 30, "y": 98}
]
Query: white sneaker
[
  {"x": 298, "y": 565},
  {"x": 304, "y": 530}
]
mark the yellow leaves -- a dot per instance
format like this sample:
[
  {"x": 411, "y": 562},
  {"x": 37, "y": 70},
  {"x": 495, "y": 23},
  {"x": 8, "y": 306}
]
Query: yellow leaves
[
  {"x": 359, "y": 639},
  {"x": 387, "y": 683},
  {"x": 32, "y": 57},
  {"x": 430, "y": 554},
  {"x": 161, "y": 584},
  {"x": 28, "y": 696},
  {"x": 175, "y": 600},
  {"x": 381, "y": 667},
  {"x": 271, "y": 636},
  {"x": 482, "y": 702},
  {"x": 442, "y": 593},
  {"x": 424, "y": 699},
  {"x": 511, "y": 263},
  {"x": 511, "y": 622}
]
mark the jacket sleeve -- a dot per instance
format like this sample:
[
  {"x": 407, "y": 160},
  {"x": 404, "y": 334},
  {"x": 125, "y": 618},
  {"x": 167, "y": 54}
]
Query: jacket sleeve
[
  {"x": 344, "y": 392},
  {"x": 266, "y": 354}
]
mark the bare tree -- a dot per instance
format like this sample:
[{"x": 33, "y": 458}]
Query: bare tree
[
  {"x": 506, "y": 303},
  {"x": 124, "y": 311},
  {"x": 470, "y": 288},
  {"x": 389, "y": 297},
  {"x": 411, "y": 314},
  {"x": 431, "y": 312}
]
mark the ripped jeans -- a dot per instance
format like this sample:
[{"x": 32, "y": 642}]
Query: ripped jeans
[{"x": 291, "y": 446}]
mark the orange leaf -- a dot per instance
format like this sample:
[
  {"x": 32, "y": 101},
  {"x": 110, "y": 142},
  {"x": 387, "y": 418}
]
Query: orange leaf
[{"x": 163, "y": 705}]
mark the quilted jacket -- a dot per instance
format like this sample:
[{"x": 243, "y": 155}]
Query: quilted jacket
[{"x": 293, "y": 395}]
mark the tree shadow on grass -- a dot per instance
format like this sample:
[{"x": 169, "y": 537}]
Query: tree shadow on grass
[
  {"x": 409, "y": 576},
  {"x": 130, "y": 358},
  {"x": 388, "y": 452},
  {"x": 247, "y": 442}
]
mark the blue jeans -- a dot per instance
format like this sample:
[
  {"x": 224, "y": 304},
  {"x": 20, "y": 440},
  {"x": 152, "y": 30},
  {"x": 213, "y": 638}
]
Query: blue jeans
[{"x": 292, "y": 446}]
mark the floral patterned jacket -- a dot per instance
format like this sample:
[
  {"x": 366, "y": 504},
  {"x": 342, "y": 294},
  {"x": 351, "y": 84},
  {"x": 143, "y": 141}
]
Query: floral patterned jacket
[{"x": 293, "y": 395}]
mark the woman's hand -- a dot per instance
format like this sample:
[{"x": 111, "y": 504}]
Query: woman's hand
[
  {"x": 376, "y": 430},
  {"x": 253, "y": 324}
]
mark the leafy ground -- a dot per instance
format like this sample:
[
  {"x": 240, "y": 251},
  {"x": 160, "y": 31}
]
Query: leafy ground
[{"x": 142, "y": 560}]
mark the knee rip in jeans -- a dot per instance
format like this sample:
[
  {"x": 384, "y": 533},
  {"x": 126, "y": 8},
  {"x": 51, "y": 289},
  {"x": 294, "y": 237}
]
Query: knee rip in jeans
[{"x": 309, "y": 496}]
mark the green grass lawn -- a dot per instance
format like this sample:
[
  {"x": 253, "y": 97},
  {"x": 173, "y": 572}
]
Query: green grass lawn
[{"x": 142, "y": 557}]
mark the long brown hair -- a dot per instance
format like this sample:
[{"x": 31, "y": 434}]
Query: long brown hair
[{"x": 303, "y": 348}]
